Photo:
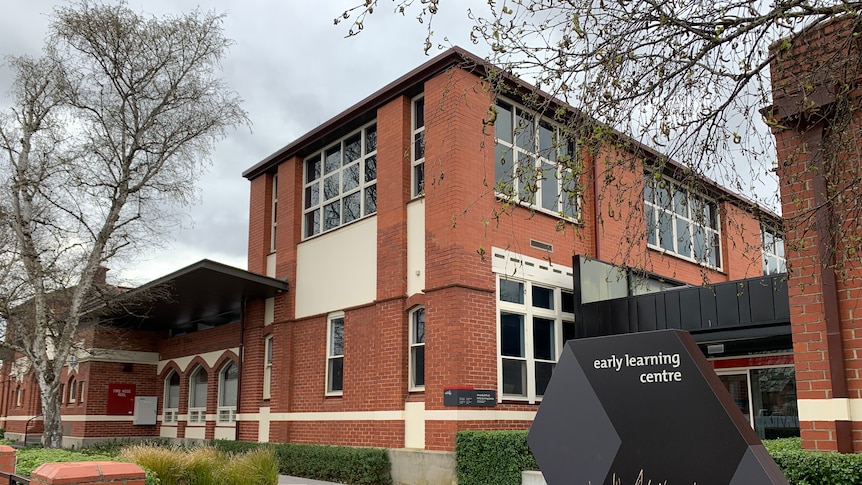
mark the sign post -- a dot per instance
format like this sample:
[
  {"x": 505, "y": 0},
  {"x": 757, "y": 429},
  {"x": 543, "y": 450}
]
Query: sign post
[{"x": 644, "y": 403}]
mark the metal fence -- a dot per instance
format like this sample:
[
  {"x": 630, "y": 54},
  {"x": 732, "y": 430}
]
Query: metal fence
[{"x": 12, "y": 479}]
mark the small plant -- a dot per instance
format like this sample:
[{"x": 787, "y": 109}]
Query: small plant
[
  {"x": 205, "y": 465},
  {"x": 166, "y": 463}
]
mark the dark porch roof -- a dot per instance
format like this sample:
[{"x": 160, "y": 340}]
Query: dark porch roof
[{"x": 202, "y": 291}]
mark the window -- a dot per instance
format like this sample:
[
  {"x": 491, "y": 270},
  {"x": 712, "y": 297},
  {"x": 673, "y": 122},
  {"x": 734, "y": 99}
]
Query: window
[
  {"x": 535, "y": 321},
  {"x": 417, "y": 349},
  {"x": 172, "y": 398},
  {"x": 228, "y": 381},
  {"x": 680, "y": 222},
  {"x": 19, "y": 396},
  {"x": 274, "y": 212},
  {"x": 341, "y": 183},
  {"x": 81, "y": 386},
  {"x": 534, "y": 162},
  {"x": 73, "y": 390},
  {"x": 198, "y": 396},
  {"x": 418, "y": 152},
  {"x": 335, "y": 355},
  {"x": 774, "y": 261},
  {"x": 267, "y": 367}
]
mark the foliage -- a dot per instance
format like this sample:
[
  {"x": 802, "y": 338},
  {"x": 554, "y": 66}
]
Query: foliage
[
  {"x": 30, "y": 458},
  {"x": 803, "y": 467},
  {"x": 107, "y": 133},
  {"x": 205, "y": 465},
  {"x": 343, "y": 464},
  {"x": 492, "y": 457},
  {"x": 113, "y": 447}
]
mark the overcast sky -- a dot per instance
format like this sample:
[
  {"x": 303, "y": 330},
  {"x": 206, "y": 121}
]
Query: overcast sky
[{"x": 294, "y": 69}]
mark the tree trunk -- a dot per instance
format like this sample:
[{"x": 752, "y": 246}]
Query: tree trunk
[{"x": 52, "y": 436}]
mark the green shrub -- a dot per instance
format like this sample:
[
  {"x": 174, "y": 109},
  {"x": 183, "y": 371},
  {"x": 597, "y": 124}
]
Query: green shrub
[
  {"x": 166, "y": 463},
  {"x": 804, "y": 467},
  {"x": 355, "y": 466},
  {"x": 205, "y": 465},
  {"x": 30, "y": 458},
  {"x": 492, "y": 457}
]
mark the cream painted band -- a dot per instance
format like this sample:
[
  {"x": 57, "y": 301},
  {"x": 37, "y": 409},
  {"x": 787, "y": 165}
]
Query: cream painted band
[
  {"x": 78, "y": 418},
  {"x": 211, "y": 358},
  {"x": 842, "y": 409},
  {"x": 434, "y": 415}
]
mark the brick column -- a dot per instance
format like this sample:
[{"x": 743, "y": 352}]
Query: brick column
[
  {"x": 88, "y": 473},
  {"x": 811, "y": 101},
  {"x": 7, "y": 459}
]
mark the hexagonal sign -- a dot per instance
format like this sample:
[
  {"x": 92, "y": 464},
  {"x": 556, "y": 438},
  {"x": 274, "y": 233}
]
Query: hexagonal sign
[{"x": 648, "y": 403}]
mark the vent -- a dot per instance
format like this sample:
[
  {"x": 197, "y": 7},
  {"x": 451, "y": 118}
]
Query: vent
[{"x": 540, "y": 245}]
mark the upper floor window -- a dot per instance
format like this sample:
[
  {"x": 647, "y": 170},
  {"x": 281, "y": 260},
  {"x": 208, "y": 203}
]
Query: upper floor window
[
  {"x": 267, "y": 367},
  {"x": 534, "y": 162},
  {"x": 73, "y": 390},
  {"x": 774, "y": 261},
  {"x": 172, "y": 398},
  {"x": 417, "y": 349},
  {"x": 274, "y": 225},
  {"x": 227, "y": 395},
  {"x": 418, "y": 147},
  {"x": 335, "y": 355},
  {"x": 198, "y": 396},
  {"x": 341, "y": 183},
  {"x": 681, "y": 222}
]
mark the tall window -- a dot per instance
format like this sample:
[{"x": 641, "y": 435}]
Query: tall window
[
  {"x": 335, "y": 355},
  {"x": 228, "y": 382},
  {"x": 19, "y": 396},
  {"x": 198, "y": 396},
  {"x": 418, "y": 147},
  {"x": 534, "y": 161},
  {"x": 417, "y": 349},
  {"x": 535, "y": 321},
  {"x": 341, "y": 183},
  {"x": 81, "y": 388},
  {"x": 172, "y": 398},
  {"x": 774, "y": 261},
  {"x": 73, "y": 390},
  {"x": 680, "y": 222},
  {"x": 274, "y": 212},
  {"x": 267, "y": 367}
]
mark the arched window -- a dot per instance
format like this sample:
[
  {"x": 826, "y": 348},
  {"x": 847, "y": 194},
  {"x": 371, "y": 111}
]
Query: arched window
[
  {"x": 73, "y": 390},
  {"x": 198, "y": 396},
  {"x": 172, "y": 398},
  {"x": 227, "y": 396}
]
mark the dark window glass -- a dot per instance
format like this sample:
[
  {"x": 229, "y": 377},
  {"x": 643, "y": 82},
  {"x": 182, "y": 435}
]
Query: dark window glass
[
  {"x": 370, "y": 199},
  {"x": 511, "y": 291},
  {"x": 512, "y": 334},
  {"x": 543, "y": 297},
  {"x": 543, "y": 339}
]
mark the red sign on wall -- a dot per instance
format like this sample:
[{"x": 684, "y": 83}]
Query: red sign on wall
[{"x": 121, "y": 399}]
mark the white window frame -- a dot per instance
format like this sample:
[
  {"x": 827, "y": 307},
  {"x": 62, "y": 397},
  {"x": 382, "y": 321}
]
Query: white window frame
[
  {"x": 547, "y": 162},
  {"x": 170, "y": 414},
  {"x": 772, "y": 244},
  {"x": 197, "y": 414},
  {"x": 417, "y": 147},
  {"x": 267, "y": 366},
  {"x": 314, "y": 201},
  {"x": 274, "y": 218},
  {"x": 73, "y": 390},
  {"x": 417, "y": 343},
  {"x": 227, "y": 413},
  {"x": 332, "y": 355},
  {"x": 655, "y": 209},
  {"x": 81, "y": 385}
]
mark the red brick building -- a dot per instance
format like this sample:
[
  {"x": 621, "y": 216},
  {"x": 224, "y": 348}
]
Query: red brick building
[{"x": 400, "y": 263}]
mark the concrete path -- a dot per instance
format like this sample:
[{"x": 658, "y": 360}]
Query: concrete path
[{"x": 285, "y": 480}]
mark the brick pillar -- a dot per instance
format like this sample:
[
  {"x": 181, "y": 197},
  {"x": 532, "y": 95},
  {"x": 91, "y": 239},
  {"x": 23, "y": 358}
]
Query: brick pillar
[
  {"x": 7, "y": 459},
  {"x": 812, "y": 117},
  {"x": 88, "y": 473}
]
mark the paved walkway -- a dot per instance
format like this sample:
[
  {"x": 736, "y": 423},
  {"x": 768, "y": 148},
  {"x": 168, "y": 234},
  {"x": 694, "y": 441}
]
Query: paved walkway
[{"x": 284, "y": 480}]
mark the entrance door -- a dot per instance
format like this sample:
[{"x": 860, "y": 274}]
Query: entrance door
[{"x": 767, "y": 398}]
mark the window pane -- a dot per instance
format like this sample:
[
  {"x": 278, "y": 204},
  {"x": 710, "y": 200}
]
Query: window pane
[
  {"x": 330, "y": 187},
  {"x": 570, "y": 194},
  {"x": 528, "y": 178},
  {"x": 662, "y": 197},
  {"x": 418, "y": 354},
  {"x": 768, "y": 241},
  {"x": 683, "y": 237},
  {"x": 352, "y": 148},
  {"x": 649, "y": 181},
  {"x": 680, "y": 202},
  {"x": 173, "y": 398},
  {"x": 370, "y": 199},
  {"x": 336, "y": 345},
  {"x": 332, "y": 215},
  {"x": 312, "y": 196},
  {"x": 649, "y": 216},
  {"x": 568, "y": 301},
  {"x": 199, "y": 389},
  {"x": 514, "y": 377},
  {"x": 544, "y": 370},
  {"x": 352, "y": 209},
  {"x": 568, "y": 331},
  {"x": 779, "y": 247},
  {"x": 333, "y": 159},
  {"x": 312, "y": 223},
  {"x": 512, "y": 334},
  {"x": 511, "y": 291},
  {"x": 543, "y": 339},
  {"x": 419, "y": 179},
  {"x": 419, "y": 145},
  {"x": 504, "y": 175},
  {"x": 525, "y": 131},
  {"x": 550, "y": 186},
  {"x": 546, "y": 141},
  {"x": 312, "y": 169},
  {"x": 419, "y": 113},
  {"x": 350, "y": 178},
  {"x": 336, "y": 374},
  {"x": 543, "y": 297},
  {"x": 371, "y": 168},
  {"x": 370, "y": 139},
  {"x": 714, "y": 252},
  {"x": 419, "y": 326},
  {"x": 665, "y": 230},
  {"x": 269, "y": 350},
  {"x": 699, "y": 243},
  {"x": 503, "y": 123},
  {"x": 228, "y": 388}
]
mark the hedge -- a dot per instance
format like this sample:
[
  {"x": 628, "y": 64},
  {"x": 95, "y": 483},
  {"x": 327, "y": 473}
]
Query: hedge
[
  {"x": 344, "y": 464},
  {"x": 499, "y": 457},
  {"x": 496, "y": 457}
]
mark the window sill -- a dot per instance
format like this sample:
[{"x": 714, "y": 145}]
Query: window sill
[
  {"x": 334, "y": 394},
  {"x": 667, "y": 252},
  {"x": 578, "y": 220}
]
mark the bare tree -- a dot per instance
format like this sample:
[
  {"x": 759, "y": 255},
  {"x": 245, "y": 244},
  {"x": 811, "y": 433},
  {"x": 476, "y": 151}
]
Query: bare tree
[
  {"x": 108, "y": 133},
  {"x": 684, "y": 78}
]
